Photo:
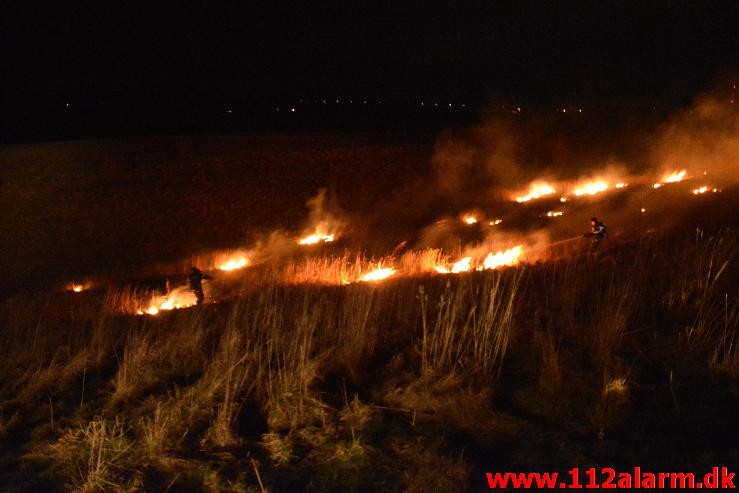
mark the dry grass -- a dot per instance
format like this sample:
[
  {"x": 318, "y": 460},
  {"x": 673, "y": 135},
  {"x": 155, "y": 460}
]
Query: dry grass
[
  {"x": 469, "y": 328},
  {"x": 97, "y": 457},
  {"x": 422, "y": 356}
]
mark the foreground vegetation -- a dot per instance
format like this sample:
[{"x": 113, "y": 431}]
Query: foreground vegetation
[{"x": 412, "y": 384}]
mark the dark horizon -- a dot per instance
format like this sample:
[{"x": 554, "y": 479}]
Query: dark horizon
[{"x": 532, "y": 53}]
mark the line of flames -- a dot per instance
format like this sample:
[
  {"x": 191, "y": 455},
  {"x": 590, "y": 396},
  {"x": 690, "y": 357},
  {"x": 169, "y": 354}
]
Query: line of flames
[
  {"x": 541, "y": 189},
  {"x": 502, "y": 258},
  {"x": 181, "y": 297}
]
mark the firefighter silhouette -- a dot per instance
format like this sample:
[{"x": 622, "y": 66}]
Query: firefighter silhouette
[{"x": 196, "y": 283}]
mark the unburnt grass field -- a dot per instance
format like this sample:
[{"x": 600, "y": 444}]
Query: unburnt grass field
[{"x": 417, "y": 383}]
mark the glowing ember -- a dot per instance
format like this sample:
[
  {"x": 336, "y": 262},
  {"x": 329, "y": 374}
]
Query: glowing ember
[
  {"x": 563, "y": 199},
  {"x": 656, "y": 185},
  {"x": 704, "y": 189},
  {"x": 496, "y": 222},
  {"x": 590, "y": 188},
  {"x": 378, "y": 274},
  {"x": 316, "y": 238},
  {"x": 536, "y": 190},
  {"x": 674, "y": 176},
  {"x": 503, "y": 258},
  {"x": 700, "y": 190},
  {"x": 643, "y": 210},
  {"x": 621, "y": 185},
  {"x": 470, "y": 220},
  {"x": 78, "y": 287},
  {"x": 555, "y": 213},
  {"x": 234, "y": 263}
]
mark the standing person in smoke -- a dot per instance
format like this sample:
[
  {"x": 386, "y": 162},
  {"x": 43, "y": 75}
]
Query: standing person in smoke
[
  {"x": 196, "y": 283},
  {"x": 597, "y": 233}
]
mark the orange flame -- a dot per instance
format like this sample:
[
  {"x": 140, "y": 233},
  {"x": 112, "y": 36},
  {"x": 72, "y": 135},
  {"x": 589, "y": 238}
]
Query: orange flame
[
  {"x": 180, "y": 297},
  {"x": 590, "y": 188},
  {"x": 378, "y": 274},
  {"x": 491, "y": 261},
  {"x": 536, "y": 190},
  {"x": 462, "y": 266},
  {"x": 503, "y": 258},
  {"x": 555, "y": 213},
  {"x": 234, "y": 263},
  {"x": 316, "y": 238},
  {"x": 674, "y": 177}
]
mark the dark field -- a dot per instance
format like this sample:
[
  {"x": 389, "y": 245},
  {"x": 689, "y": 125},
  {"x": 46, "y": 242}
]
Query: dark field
[
  {"x": 422, "y": 382},
  {"x": 96, "y": 207}
]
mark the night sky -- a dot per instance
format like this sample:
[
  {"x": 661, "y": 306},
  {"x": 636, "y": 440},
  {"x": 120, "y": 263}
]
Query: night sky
[{"x": 539, "y": 52}]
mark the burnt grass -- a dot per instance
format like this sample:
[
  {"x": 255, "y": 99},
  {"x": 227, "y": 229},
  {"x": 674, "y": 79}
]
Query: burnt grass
[{"x": 625, "y": 359}]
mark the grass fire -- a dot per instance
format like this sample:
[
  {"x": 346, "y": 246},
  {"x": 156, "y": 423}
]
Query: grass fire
[{"x": 375, "y": 314}]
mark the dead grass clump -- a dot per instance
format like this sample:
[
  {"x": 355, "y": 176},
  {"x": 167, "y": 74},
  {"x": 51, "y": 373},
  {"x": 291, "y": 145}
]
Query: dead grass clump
[
  {"x": 356, "y": 415},
  {"x": 608, "y": 410},
  {"x": 96, "y": 457},
  {"x": 344, "y": 465},
  {"x": 449, "y": 403}
]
